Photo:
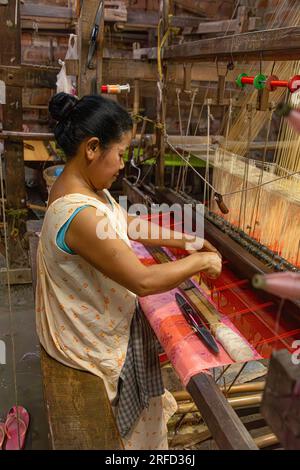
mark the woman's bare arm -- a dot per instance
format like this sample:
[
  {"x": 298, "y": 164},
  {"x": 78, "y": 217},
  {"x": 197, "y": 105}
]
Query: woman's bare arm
[
  {"x": 114, "y": 258},
  {"x": 151, "y": 234}
]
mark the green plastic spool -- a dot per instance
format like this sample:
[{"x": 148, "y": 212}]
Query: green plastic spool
[
  {"x": 259, "y": 81},
  {"x": 239, "y": 80}
]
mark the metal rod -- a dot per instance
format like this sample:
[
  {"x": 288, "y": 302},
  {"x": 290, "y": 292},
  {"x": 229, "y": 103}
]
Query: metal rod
[
  {"x": 26, "y": 135},
  {"x": 235, "y": 402},
  {"x": 183, "y": 395},
  {"x": 266, "y": 441}
]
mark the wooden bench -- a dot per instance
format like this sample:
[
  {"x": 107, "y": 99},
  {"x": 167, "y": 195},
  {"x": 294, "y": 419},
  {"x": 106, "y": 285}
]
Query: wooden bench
[{"x": 78, "y": 409}]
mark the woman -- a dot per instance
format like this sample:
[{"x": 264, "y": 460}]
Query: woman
[{"x": 87, "y": 311}]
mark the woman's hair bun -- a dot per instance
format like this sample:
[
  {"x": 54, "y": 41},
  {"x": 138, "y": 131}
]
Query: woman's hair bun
[
  {"x": 91, "y": 116},
  {"x": 61, "y": 105}
]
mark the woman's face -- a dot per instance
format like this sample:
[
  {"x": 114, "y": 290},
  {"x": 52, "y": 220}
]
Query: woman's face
[{"x": 104, "y": 168}]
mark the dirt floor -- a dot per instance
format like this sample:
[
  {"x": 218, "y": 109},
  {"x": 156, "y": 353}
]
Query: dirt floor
[{"x": 21, "y": 382}]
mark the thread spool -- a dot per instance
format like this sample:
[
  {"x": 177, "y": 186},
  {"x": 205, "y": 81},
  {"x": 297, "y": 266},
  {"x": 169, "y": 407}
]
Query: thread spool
[
  {"x": 258, "y": 81},
  {"x": 115, "y": 89}
]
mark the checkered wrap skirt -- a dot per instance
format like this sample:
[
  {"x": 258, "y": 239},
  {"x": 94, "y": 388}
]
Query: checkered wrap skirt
[{"x": 140, "y": 378}]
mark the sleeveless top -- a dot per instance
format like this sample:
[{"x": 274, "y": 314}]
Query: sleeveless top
[{"x": 83, "y": 317}]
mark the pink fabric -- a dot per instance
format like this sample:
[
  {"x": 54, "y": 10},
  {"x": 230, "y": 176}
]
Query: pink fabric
[{"x": 185, "y": 350}]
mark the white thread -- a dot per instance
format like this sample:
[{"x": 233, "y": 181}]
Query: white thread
[{"x": 233, "y": 344}]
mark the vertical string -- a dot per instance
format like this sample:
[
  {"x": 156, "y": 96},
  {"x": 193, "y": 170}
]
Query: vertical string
[
  {"x": 187, "y": 133},
  {"x": 181, "y": 135},
  {"x": 205, "y": 195},
  {"x": 9, "y": 299}
]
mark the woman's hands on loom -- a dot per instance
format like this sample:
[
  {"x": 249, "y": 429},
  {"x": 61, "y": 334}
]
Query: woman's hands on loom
[
  {"x": 208, "y": 252},
  {"x": 210, "y": 263}
]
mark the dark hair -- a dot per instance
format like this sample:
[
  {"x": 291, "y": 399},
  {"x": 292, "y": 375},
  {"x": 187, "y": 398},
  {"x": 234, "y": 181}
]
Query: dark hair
[{"x": 91, "y": 116}]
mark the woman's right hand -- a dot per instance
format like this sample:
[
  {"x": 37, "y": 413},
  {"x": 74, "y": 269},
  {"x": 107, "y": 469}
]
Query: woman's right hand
[{"x": 210, "y": 263}]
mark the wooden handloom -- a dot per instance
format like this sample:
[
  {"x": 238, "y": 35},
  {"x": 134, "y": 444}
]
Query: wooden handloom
[
  {"x": 262, "y": 45},
  {"x": 258, "y": 45},
  {"x": 202, "y": 387},
  {"x": 268, "y": 44}
]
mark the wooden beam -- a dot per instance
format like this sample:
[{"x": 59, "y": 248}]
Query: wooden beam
[
  {"x": 36, "y": 151},
  {"x": 15, "y": 276},
  {"x": 115, "y": 11},
  {"x": 19, "y": 136},
  {"x": 194, "y": 6},
  {"x": 28, "y": 76},
  {"x": 118, "y": 68},
  {"x": 45, "y": 11},
  {"x": 139, "y": 19},
  {"x": 36, "y": 68},
  {"x": 48, "y": 25},
  {"x": 271, "y": 145},
  {"x": 225, "y": 426},
  {"x": 259, "y": 45},
  {"x": 185, "y": 21},
  {"x": 241, "y": 24},
  {"x": 142, "y": 18},
  {"x": 134, "y": 194},
  {"x": 208, "y": 8},
  {"x": 224, "y": 26}
]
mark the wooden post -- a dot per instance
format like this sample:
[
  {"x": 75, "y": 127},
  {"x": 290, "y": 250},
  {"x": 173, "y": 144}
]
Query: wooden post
[
  {"x": 262, "y": 103},
  {"x": 281, "y": 400},
  {"x": 90, "y": 80},
  {"x": 187, "y": 77},
  {"x": 221, "y": 89},
  {"x": 225, "y": 426},
  {"x": 243, "y": 19},
  {"x": 161, "y": 104},
  {"x": 136, "y": 104},
  {"x": 10, "y": 36},
  {"x": 100, "y": 45}
]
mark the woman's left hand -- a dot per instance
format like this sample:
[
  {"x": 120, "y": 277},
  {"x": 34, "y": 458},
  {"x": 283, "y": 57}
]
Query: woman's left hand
[{"x": 200, "y": 244}]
